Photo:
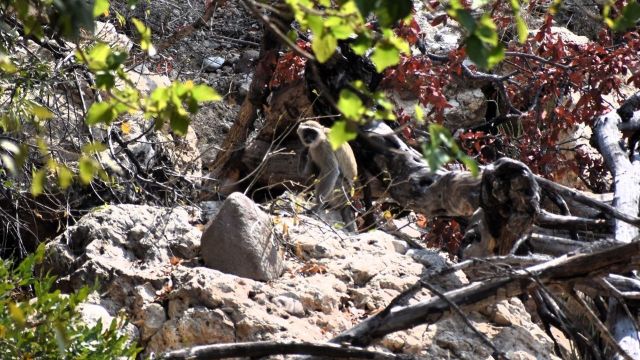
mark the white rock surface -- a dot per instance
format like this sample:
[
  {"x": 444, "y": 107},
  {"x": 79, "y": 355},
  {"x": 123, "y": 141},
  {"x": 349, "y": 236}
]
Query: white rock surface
[{"x": 332, "y": 281}]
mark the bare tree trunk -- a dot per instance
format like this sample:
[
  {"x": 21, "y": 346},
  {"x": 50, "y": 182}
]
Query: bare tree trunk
[
  {"x": 626, "y": 199},
  {"x": 226, "y": 167}
]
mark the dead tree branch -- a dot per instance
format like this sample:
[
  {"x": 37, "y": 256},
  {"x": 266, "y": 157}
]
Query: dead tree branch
[
  {"x": 269, "y": 348},
  {"x": 626, "y": 199},
  {"x": 618, "y": 258}
]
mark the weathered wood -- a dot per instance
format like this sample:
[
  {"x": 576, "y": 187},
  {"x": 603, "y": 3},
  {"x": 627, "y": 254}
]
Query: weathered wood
[
  {"x": 225, "y": 167},
  {"x": 477, "y": 294},
  {"x": 267, "y": 348},
  {"x": 626, "y": 199},
  {"x": 553, "y": 245},
  {"x": 547, "y": 219},
  {"x": 626, "y": 175}
]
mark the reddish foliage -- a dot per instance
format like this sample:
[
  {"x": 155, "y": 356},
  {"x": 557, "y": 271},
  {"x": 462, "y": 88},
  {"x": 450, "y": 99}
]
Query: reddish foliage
[
  {"x": 444, "y": 234},
  {"x": 564, "y": 92},
  {"x": 404, "y": 120},
  {"x": 418, "y": 75},
  {"x": 481, "y": 146},
  {"x": 408, "y": 30},
  {"x": 290, "y": 67}
]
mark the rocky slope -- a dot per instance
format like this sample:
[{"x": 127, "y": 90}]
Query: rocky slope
[
  {"x": 149, "y": 263},
  {"x": 251, "y": 275}
]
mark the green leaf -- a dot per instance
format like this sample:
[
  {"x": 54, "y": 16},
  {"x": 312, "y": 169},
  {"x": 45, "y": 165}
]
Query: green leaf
[
  {"x": 17, "y": 314},
  {"x": 93, "y": 147},
  {"x": 365, "y": 7},
  {"x": 331, "y": 21},
  {"x": 523, "y": 31},
  {"x": 100, "y": 112},
  {"x": 316, "y": 24},
  {"x": 471, "y": 164},
  {"x": 482, "y": 55},
  {"x": 292, "y": 35},
  {"x": 361, "y": 44},
  {"x": 476, "y": 51},
  {"x": 495, "y": 56},
  {"x": 389, "y": 12},
  {"x": 96, "y": 57},
  {"x": 350, "y": 105},
  {"x": 65, "y": 176},
  {"x": 399, "y": 43},
  {"x": 385, "y": 55},
  {"x": 462, "y": 15},
  {"x": 179, "y": 124},
  {"x": 342, "y": 31},
  {"x": 100, "y": 7},
  {"x": 40, "y": 111},
  {"x": 203, "y": 93},
  {"x": 105, "y": 80},
  {"x": 38, "y": 255},
  {"x": 340, "y": 134},
  {"x": 145, "y": 37},
  {"x": 37, "y": 182},
  {"x": 486, "y": 30},
  {"x": 324, "y": 46},
  {"x": 6, "y": 65},
  {"x": 419, "y": 112},
  {"x": 121, "y": 19},
  {"x": 86, "y": 169},
  {"x": 628, "y": 18}
]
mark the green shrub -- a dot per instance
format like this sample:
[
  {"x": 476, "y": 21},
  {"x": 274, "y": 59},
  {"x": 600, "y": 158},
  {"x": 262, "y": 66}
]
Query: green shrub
[{"x": 37, "y": 322}]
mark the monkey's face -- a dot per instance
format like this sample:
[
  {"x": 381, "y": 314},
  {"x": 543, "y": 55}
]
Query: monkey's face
[
  {"x": 311, "y": 135},
  {"x": 308, "y": 136}
]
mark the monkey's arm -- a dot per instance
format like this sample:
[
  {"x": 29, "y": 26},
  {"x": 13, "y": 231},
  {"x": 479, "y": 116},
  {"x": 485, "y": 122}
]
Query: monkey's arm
[
  {"x": 329, "y": 173},
  {"x": 305, "y": 165}
]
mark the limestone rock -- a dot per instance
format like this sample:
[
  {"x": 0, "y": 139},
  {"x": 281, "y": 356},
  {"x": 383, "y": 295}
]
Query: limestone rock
[
  {"x": 182, "y": 304},
  {"x": 468, "y": 108},
  {"x": 91, "y": 314},
  {"x": 107, "y": 33},
  {"x": 290, "y": 303},
  {"x": 197, "y": 326},
  {"x": 239, "y": 241},
  {"x": 131, "y": 241},
  {"x": 152, "y": 318}
]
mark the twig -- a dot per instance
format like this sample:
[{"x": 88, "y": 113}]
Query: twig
[
  {"x": 239, "y": 41},
  {"x": 536, "y": 58},
  {"x": 554, "y": 221},
  {"x": 570, "y": 266}
]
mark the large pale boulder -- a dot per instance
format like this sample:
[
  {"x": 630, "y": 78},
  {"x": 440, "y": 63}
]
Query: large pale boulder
[{"x": 239, "y": 241}]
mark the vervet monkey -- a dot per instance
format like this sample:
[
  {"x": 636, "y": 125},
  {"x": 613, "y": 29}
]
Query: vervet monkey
[{"x": 338, "y": 169}]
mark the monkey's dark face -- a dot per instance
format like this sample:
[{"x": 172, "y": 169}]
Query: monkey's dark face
[
  {"x": 311, "y": 133},
  {"x": 308, "y": 136}
]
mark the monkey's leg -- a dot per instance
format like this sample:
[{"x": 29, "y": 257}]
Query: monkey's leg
[
  {"x": 326, "y": 184},
  {"x": 348, "y": 218}
]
